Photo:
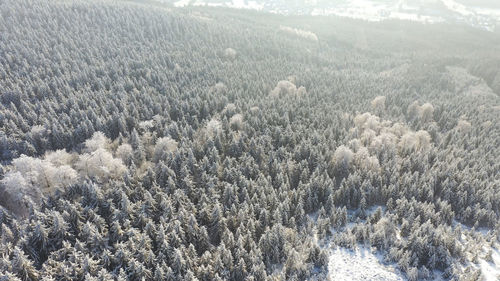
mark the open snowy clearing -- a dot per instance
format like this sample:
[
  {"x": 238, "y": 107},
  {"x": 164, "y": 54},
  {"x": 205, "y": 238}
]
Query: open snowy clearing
[
  {"x": 491, "y": 269},
  {"x": 361, "y": 264}
]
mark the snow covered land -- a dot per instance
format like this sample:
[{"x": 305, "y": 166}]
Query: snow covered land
[
  {"x": 359, "y": 265},
  {"x": 425, "y": 11}
]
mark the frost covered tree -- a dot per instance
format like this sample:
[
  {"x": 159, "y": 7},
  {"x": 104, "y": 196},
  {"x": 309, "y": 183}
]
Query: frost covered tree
[
  {"x": 285, "y": 88},
  {"x": 464, "y": 126},
  {"x": 124, "y": 152},
  {"x": 426, "y": 112},
  {"x": 101, "y": 165},
  {"x": 41, "y": 176},
  {"x": 176, "y": 158},
  {"x": 98, "y": 141},
  {"x": 162, "y": 146},
  {"x": 236, "y": 122},
  {"x": 230, "y": 53},
  {"x": 415, "y": 141},
  {"x": 378, "y": 104},
  {"x": 342, "y": 159},
  {"x": 16, "y": 193}
]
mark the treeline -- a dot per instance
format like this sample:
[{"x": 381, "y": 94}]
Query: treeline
[{"x": 140, "y": 142}]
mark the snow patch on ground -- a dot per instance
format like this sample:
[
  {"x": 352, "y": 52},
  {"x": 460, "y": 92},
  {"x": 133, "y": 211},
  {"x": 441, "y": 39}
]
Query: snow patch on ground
[
  {"x": 457, "y": 7},
  {"x": 470, "y": 10},
  {"x": 489, "y": 255},
  {"x": 377, "y": 11},
  {"x": 488, "y": 12},
  {"x": 490, "y": 268},
  {"x": 246, "y": 5},
  {"x": 360, "y": 264},
  {"x": 182, "y": 3}
]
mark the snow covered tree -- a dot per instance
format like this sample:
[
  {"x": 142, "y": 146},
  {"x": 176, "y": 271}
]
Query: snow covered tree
[{"x": 164, "y": 145}]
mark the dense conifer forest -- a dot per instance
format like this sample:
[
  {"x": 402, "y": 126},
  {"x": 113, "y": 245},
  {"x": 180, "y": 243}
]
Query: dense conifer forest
[{"x": 139, "y": 141}]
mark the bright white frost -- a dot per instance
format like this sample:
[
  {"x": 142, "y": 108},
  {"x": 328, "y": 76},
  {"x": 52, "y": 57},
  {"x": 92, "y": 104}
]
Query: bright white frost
[
  {"x": 219, "y": 88},
  {"x": 164, "y": 145},
  {"x": 29, "y": 178},
  {"x": 124, "y": 151},
  {"x": 213, "y": 128},
  {"x": 342, "y": 157},
  {"x": 378, "y": 103},
  {"x": 299, "y": 32},
  {"x": 101, "y": 165},
  {"x": 42, "y": 173},
  {"x": 98, "y": 140},
  {"x": 424, "y": 113},
  {"x": 464, "y": 126},
  {"x": 236, "y": 122},
  {"x": 287, "y": 88},
  {"x": 59, "y": 157},
  {"x": 230, "y": 53}
]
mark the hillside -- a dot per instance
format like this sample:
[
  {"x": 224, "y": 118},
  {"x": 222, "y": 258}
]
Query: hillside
[{"x": 139, "y": 141}]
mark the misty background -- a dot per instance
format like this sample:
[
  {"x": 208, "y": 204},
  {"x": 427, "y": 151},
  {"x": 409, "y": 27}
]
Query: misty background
[{"x": 484, "y": 14}]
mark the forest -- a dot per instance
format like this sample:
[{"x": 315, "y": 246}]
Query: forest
[{"x": 139, "y": 141}]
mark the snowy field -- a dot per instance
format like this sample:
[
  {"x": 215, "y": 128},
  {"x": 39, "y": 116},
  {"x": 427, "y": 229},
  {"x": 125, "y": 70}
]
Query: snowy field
[
  {"x": 491, "y": 269},
  {"x": 237, "y": 4},
  {"x": 440, "y": 10},
  {"x": 361, "y": 264}
]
